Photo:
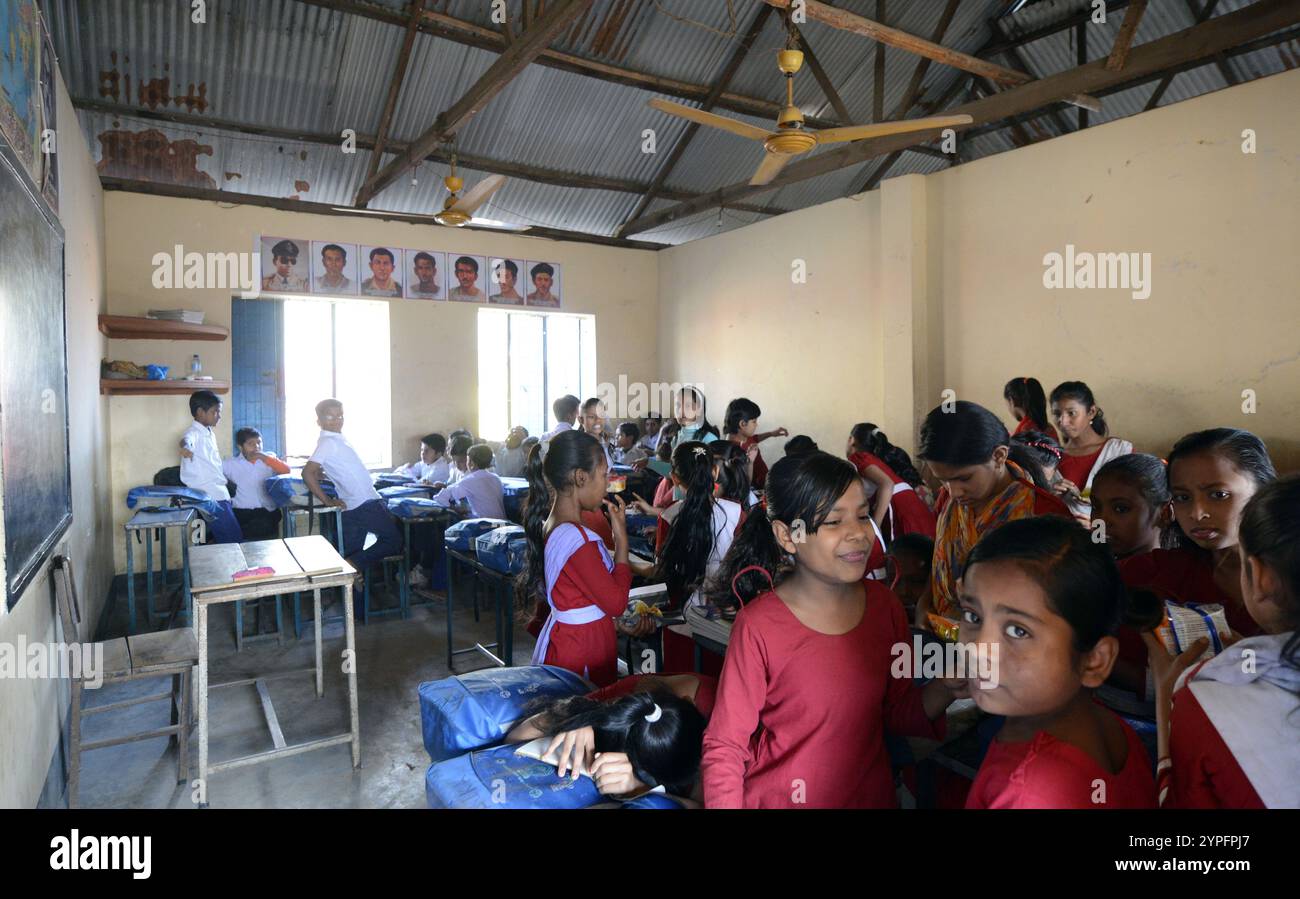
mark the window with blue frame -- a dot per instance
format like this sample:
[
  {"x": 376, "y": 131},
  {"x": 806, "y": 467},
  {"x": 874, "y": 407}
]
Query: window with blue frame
[{"x": 290, "y": 354}]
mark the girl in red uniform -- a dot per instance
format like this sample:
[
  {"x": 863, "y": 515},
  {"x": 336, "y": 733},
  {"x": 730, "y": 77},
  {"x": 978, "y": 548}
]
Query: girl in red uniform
[
  {"x": 568, "y": 563},
  {"x": 987, "y": 481},
  {"x": 1085, "y": 440},
  {"x": 896, "y": 507},
  {"x": 741, "y": 427},
  {"x": 806, "y": 693},
  {"x": 1047, "y": 599},
  {"x": 1028, "y": 406},
  {"x": 1232, "y": 739},
  {"x": 1211, "y": 475},
  {"x": 1130, "y": 510}
]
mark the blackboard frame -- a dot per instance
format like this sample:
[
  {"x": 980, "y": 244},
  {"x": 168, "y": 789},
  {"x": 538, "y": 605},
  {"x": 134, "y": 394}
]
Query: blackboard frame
[{"x": 20, "y": 572}]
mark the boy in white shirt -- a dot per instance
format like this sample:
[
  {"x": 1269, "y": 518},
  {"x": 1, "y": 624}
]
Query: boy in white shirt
[
  {"x": 478, "y": 487},
  {"x": 510, "y": 459},
  {"x": 566, "y": 413},
  {"x": 248, "y": 470},
  {"x": 433, "y": 466},
  {"x": 364, "y": 512},
  {"x": 460, "y": 447},
  {"x": 626, "y": 450},
  {"x": 201, "y": 466}
]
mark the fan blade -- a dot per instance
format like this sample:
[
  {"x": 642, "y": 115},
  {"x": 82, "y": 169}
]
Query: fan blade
[
  {"x": 713, "y": 121},
  {"x": 769, "y": 168},
  {"x": 901, "y": 126},
  {"x": 477, "y": 195}
]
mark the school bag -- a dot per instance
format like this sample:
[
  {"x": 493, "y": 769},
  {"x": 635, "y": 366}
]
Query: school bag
[
  {"x": 470, "y": 711},
  {"x": 504, "y": 549}
]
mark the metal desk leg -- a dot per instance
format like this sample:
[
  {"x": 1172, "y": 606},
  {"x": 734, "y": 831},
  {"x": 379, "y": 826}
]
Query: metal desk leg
[
  {"x": 320, "y": 672},
  {"x": 451, "y": 580},
  {"x": 201, "y": 614},
  {"x": 165, "y": 571},
  {"x": 148, "y": 576},
  {"x": 130, "y": 583},
  {"x": 349, "y": 628},
  {"x": 186, "y": 598}
]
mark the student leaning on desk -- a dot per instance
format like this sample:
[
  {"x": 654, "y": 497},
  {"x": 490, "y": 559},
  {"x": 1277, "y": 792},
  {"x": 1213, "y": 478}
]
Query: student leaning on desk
[{"x": 364, "y": 512}]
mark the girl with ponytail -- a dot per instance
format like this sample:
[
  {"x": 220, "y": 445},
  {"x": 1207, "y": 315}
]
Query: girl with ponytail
[
  {"x": 1028, "y": 406},
  {"x": 568, "y": 565},
  {"x": 987, "y": 481},
  {"x": 807, "y": 690},
  {"x": 1085, "y": 441},
  {"x": 896, "y": 507},
  {"x": 696, "y": 532}
]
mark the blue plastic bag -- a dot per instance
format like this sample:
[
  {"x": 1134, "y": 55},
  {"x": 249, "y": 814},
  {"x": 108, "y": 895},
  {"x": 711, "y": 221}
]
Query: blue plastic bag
[
  {"x": 460, "y": 536},
  {"x": 470, "y": 711},
  {"x": 155, "y": 372},
  {"x": 497, "y": 778},
  {"x": 504, "y": 549}
]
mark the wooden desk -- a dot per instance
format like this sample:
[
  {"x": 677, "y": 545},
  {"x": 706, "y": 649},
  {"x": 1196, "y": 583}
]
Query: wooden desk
[{"x": 301, "y": 563}]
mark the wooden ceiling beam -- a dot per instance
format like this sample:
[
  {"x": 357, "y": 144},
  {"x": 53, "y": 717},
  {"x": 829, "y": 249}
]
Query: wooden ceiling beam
[
  {"x": 559, "y": 15},
  {"x": 1201, "y": 41}
]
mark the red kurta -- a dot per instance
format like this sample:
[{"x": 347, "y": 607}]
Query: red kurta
[
  {"x": 1049, "y": 773},
  {"x": 758, "y": 478},
  {"x": 1077, "y": 468},
  {"x": 1204, "y": 772},
  {"x": 1185, "y": 575},
  {"x": 664, "y": 494},
  {"x": 908, "y": 513},
  {"x": 705, "y": 695},
  {"x": 590, "y": 650},
  {"x": 801, "y": 715},
  {"x": 1028, "y": 424}
]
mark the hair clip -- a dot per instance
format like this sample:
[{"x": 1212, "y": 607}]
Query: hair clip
[
  {"x": 655, "y": 715},
  {"x": 701, "y": 451}
]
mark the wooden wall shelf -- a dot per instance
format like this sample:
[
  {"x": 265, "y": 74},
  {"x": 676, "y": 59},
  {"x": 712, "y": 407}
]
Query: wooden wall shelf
[
  {"x": 141, "y": 387},
  {"x": 130, "y": 327}
]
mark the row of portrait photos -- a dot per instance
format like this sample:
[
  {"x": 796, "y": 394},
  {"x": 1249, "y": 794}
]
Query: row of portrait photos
[{"x": 295, "y": 266}]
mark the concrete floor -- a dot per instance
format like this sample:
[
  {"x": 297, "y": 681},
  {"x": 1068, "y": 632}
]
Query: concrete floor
[{"x": 393, "y": 657}]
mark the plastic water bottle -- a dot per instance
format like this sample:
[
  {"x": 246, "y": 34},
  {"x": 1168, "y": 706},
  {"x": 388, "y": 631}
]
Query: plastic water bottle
[{"x": 196, "y": 367}]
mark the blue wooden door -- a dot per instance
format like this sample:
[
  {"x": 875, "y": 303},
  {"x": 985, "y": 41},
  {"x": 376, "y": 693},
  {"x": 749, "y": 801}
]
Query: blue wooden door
[{"x": 257, "y": 383}]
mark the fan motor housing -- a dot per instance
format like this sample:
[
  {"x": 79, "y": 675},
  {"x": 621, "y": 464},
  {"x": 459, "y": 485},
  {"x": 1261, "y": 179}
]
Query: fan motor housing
[{"x": 790, "y": 143}]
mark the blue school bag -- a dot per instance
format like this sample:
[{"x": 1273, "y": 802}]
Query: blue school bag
[
  {"x": 470, "y": 711},
  {"x": 513, "y": 493},
  {"x": 653, "y": 800},
  {"x": 497, "y": 778},
  {"x": 460, "y": 536},
  {"x": 504, "y": 550},
  {"x": 152, "y": 497}
]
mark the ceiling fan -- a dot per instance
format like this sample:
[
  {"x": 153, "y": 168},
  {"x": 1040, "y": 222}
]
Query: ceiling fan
[
  {"x": 790, "y": 137},
  {"x": 458, "y": 210}
]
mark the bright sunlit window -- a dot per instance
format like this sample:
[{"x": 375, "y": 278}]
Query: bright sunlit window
[
  {"x": 525, "y": 361},
  {"x": 338, "y": 349}
]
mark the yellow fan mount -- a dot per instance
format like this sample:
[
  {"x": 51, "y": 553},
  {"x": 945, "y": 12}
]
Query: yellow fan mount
[
  {"x": 449, "y": 216},
  {"x": 790, "y": 139}
]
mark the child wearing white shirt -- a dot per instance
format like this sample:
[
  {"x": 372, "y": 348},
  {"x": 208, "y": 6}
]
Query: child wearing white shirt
[
  {"x": 364, "y": 513},
  {"x": 433, "y": 465},
  {"x": 249, "y": 470},
  {"x": 478, "y": 487},
  {"x": 201, "y": 467}
]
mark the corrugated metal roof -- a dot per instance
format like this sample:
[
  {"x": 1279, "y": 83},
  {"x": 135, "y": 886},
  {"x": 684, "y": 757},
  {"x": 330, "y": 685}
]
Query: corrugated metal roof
[{"x": 288, "y": 64}]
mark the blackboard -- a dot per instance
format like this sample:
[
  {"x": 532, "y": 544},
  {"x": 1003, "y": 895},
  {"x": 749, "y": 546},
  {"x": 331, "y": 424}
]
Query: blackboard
[{"x": 33, "y": 379}]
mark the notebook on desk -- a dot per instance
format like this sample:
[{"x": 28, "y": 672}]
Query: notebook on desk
[{"x": 314, "y": 555}]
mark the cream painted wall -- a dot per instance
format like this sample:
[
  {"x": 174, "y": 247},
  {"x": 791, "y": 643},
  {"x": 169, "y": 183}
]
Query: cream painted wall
[
  {"x": 32, "y": 711},
  {"x": 434, "y": 353},
  {"x": 962, "y": 252},
  {"x": 732, "y": 319},
  {"x": 1221, "y": 227}
]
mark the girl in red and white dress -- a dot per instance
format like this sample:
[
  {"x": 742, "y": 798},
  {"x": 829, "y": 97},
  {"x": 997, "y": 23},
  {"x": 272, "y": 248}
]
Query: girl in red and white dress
[
  {"x": 568, "y": 563},
  {"x": 1048, "y": 600},
  {"x": 741, "y": 428},
  {"x": 1232, "y": 737},
  {"x": 897, "y": 509},
  {"x": 807, "y": 694},
  {"x": 1086, "y": 442}
]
